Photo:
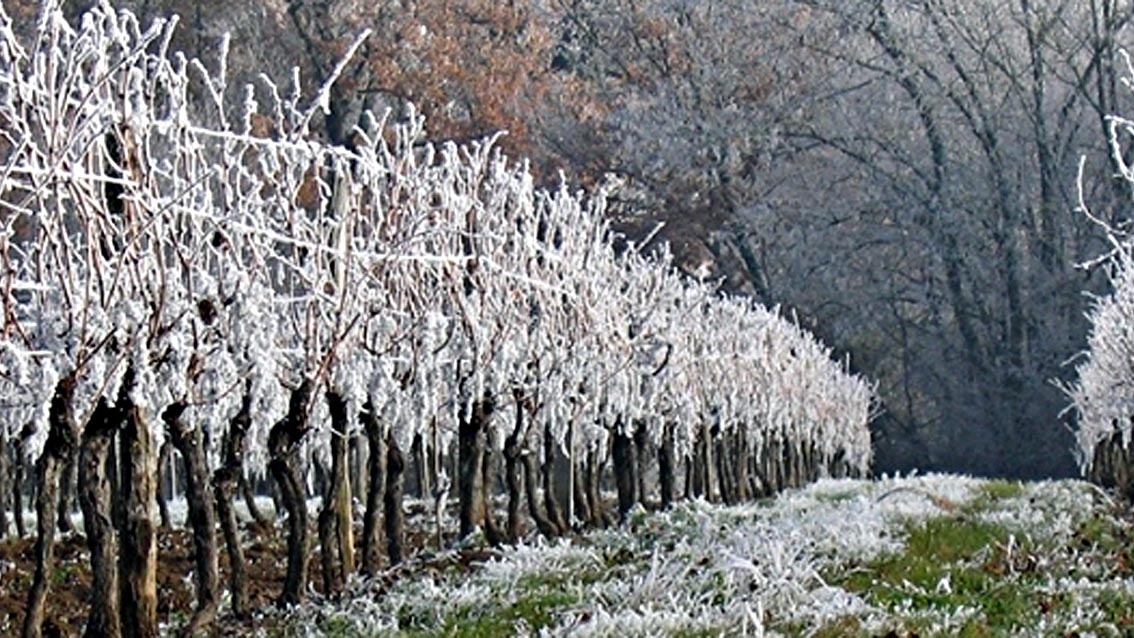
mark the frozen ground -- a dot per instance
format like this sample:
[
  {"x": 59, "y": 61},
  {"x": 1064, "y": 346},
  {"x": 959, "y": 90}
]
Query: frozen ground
[
  {"x": 919, "y": 556},
  {"x": 924, "y": 556}
]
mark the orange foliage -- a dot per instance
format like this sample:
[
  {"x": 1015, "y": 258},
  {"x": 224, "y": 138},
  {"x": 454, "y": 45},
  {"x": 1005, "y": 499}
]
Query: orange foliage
[{"x": 472, "y": 67}]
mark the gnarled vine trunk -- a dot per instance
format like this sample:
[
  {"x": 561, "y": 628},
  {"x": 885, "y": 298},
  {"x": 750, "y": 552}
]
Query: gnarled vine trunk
[
  {"x": 20, "y": 483},
  {"x": 164, "y": 475},
  {"x": 492, "y": 529},
  {"x": 201, "y": 501},
  {"x": 57, "y": 451},
  {"x": 375, "y": 488},
  {"x": 546, "y": 526},
  {"x": 225, "y": 481},
  {"x": 263, "y": 521},
  {"x": 283, "y": 447},
  {"x": 724, "y": 469},
  {"x": 96, "y": 502},
  {"x": 625, "y": 471},
  {"x": 471, "y": 435},
  {"x": 513, "y": 479},
  {"x": 667, "y": 467},
  {"x": 5, "y": 482},
  {"x": 600, "y": 516},
  {"x": 551, "y": 502},
  {"x": 137, "y": 537},
  {"x": 68, "y": 482},
  {"x": 582, "y": 504},
  {"x": 335, "y": 533},
  {"x": 395, "y": 491},
  {"x": 423, "y": 472},
  {"x": 641, "y": 456}
]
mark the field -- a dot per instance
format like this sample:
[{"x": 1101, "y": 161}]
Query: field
[
  {"x": 917, "y": 556},
  {"x": 921, "y": 556}
]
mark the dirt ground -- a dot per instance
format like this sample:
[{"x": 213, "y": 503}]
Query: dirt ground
[
  {"x": 70, "y": 582},
  {"x": 265, "y": 554}
]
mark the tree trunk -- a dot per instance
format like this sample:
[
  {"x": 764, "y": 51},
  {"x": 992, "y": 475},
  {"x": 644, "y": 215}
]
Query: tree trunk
[
  {"x": 470, "y": 476},
  {"x": 58, "y": 449},
  {"x": 336, "y": 518},
  {"x": 599, "y": 514},
  {"x": 698, "y": 473},
  {"x": 624, "y": 472},
  {"x": 18, "y": 491},
  {"x": 724, "y": 469},
  {"x": 765, "y": 470},
  {"x": 395, "y": 490},
  {"x": 492, "y": 530},
  {"x": 199, "y": 496},
  {"x": 550, "y": 500},
  {"x": 544, "y": 524},
  {"x": 743, "y": 459},
  {"x": 719, "y": 487},
  {"x": 641, "y": 455},
  {"x": 376, "y": 487},
  {"x": 67, "y": 485},
  {"x": 275, "y": 494},
  {"x": 225, "y": 481},
  {"x": 312, "y": 466},
  {"x": 422, "y": 471},
  {"x": 513, "y": 477},
  {"x": 5, "y": 482},
  {"x": 710, "y": 465},
  {"x": 137, "y": 554},
  {"x": 756, "y": 471},
  {"x": 779, "y": 467},
  {"x": 114, "y": 471},
  {"x": 95, "y": 499},
  {"x": 667, "y": 467},
  {"x": 357, "y": 465},
  {"x": 792, "y": 463},
  {"x": 283, "y": 447},
  {"x": 164, "y": 475},
  {"x": 262, "y": 520},
  {"x": 579, "y": 487}
]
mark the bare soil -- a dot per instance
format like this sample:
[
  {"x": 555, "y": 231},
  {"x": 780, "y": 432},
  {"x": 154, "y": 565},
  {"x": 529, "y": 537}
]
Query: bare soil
[
  {"x": 67, "y": 601},
  {"x": 265, "y": 553}
]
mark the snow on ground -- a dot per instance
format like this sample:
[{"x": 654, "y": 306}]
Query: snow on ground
[{"x": 787, "y": 566}]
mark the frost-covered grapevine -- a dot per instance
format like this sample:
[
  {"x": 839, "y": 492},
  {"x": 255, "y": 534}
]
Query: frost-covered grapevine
[{"x": 265, "y": 300}]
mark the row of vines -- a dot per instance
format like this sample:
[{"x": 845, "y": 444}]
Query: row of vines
[
  {"x": 1102, "y": 394},
  {"x": 176, "y": 270}
]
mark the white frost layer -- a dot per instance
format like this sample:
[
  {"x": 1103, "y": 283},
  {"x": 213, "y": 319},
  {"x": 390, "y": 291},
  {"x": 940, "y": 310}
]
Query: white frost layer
[{"x": 697, "y": 566}]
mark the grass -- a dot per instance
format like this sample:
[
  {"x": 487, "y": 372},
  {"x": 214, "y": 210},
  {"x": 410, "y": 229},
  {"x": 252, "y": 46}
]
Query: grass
[
  {"x": 994, "y": 581},
  {"x": 941, "y": 557},
  {"x": 950, "y": 563},
  {"x": 534, "y": 606}
]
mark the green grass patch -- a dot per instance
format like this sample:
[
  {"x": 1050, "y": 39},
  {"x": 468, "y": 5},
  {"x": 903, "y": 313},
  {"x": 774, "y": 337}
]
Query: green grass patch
[
  {"x": 1118, "y": 609},
  {"x": 1000, "y": 490},
  {"x": 337, "y": 627},
  {"x": 989, "y": 493},
  {"x": 536, "y": 601},
  {"x": 846, "y": 627},
  {"x": 1103, "y": 533},
  {"x": 950, "y": 563},
  {"x": 700, "y": 632},
  {"x": 959, "y": 562},
  {"x": 851, "y": 627},
  {"x": 836, "y": 497},
  {"x": 531, "y": 611}
]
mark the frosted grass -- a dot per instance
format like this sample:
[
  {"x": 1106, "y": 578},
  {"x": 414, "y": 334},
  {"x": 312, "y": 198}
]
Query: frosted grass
[{"x": 748, "y": 570}]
